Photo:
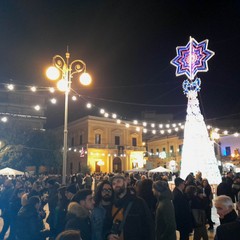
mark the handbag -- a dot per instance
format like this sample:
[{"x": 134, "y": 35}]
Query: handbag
[{"x": 199, "y": 217}]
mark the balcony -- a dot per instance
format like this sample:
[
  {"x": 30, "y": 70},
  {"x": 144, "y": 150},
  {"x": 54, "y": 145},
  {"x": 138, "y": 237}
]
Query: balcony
[{"x": 115, "y": 147}]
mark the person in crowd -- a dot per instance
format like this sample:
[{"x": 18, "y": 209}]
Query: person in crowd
[
  {"x": 182, "y": 210},
  {"x": 190, "y": 180},
  {"x": 196, "y": 202},
  {"x": 102, "y": 213},
  {"x": 236, "y": 187},
  {"x": 238, "y": 205},
  {"x": 70, "y": 191},
  {"x": 133, "y": 180},
  {"x": 208, "y": 197},
  {"x": 78, "y": 213},
  {"x": 225, "y": 209},
  {"x": 88, "y": 181},
  {"x": 198, "y": 178},
  {"x": 145, "y": 192},
  {"x": 52, "y": 187},
  {"x": 29, "y": 224},
  {"x": 165, "y": 225},
  {"x": 60, "y": 211},
  {"x": 69, "y": 235},
  {"x": 5, "y": 197},
  {"x": 15, "y": 205},
  {"x": 228, "y": 231},
  {"x": 223, "y": 188},
  {"x": 229, "y": 181},
  {"x": 131, "y": 217}
]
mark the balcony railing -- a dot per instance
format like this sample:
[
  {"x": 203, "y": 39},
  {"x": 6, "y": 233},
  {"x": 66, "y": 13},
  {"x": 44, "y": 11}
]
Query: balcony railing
[{"x": 115, "y": 147}]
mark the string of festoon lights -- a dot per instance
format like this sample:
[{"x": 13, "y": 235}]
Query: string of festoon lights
[{"x": 154, "y": 128}]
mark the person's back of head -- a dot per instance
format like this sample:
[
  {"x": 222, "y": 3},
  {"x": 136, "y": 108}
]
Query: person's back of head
[{"x": 69, "y": 235}]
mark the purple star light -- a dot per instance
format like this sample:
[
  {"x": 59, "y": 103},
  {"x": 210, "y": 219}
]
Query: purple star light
[{"x": 192, "y": 58}]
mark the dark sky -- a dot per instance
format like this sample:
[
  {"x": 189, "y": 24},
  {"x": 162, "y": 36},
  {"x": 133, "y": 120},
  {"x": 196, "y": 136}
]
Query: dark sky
[{"x": 127, "y": 46}]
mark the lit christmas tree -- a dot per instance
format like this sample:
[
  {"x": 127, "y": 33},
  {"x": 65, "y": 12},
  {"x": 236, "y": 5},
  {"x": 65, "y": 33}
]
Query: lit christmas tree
[{"x": 198, "y": 151}]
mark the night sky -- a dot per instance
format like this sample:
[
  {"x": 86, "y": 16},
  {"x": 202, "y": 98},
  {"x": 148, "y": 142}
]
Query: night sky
[{"x": 127, "y": 46}]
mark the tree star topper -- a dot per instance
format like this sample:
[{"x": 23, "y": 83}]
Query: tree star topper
[{"x": 192, "y": 58}]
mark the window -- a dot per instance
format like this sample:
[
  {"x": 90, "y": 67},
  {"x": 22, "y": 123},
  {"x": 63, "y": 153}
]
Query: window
[
  {"x": 228, "y": 151},
  {"x": 72, "y": 142},
  {"x": 157, "y": 151},
  {"x": 81, "y": 139},
  {"x": 180, "y": 148},
  {"x": 171, "y": 149},
  {"x": 134, "y": 142},
  {"x": 97, "y": 138},
  {"x": 164, "y": 149},
  {"x": 117, "y": 140},
  {"x": 151, "y": 151}
]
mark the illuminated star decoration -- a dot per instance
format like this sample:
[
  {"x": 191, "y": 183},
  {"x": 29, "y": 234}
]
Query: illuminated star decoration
[{"x": 192, "y": 58}]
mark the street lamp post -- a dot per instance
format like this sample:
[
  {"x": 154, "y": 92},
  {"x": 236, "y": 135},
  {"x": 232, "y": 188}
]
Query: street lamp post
[{"x": 64, "y": 71}]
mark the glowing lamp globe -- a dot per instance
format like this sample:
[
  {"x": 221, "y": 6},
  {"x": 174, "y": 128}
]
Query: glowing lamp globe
[
  {"x": 62, "y": 85},
  {"x": 53, "y": 73},
  {"x": 85, "y": 79}
]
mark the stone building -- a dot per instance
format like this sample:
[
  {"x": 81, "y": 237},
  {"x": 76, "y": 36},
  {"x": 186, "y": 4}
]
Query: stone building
[{"x": 104, "y": 145}]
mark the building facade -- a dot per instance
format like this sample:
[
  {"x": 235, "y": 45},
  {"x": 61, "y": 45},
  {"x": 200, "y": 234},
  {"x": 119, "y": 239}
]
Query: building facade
[
  {"x": 104, "y": 145},
  {"x": 165, "y": 151},
  {"x": 230, "y": 151}
]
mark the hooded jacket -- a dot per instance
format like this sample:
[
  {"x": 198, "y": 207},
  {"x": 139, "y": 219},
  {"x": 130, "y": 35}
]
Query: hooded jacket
[{"x": 78, "y": 219}]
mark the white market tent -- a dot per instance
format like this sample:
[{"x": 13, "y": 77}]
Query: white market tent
[
  {"x": 10, "y": 172},
  {"x": 159, "y": 169}
]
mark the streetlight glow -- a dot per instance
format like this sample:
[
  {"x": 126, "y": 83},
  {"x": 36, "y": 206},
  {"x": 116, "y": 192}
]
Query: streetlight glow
[
  {"x": 4, "y": 119},
  {"x": 10, "y": 87},
  {"x": 64, "y": 70},
  {"x": 37, "y": 107},
  {"x": 53, "y": 73},
  {"x": 62, "y": 85},
  {"x": 85, "y": 79}
]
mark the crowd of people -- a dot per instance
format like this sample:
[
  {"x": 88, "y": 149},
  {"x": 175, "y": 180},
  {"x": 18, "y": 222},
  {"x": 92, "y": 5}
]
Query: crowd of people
[{"x": 119, "y": 206}]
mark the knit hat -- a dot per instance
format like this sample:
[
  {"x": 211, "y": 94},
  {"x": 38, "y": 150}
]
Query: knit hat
[
  {"x": 160, "y": 186},
  {"x": 178, "y": 181}
]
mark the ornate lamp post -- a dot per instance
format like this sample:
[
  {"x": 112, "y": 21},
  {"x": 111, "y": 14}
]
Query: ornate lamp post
[{"x": 64, "y": 70}]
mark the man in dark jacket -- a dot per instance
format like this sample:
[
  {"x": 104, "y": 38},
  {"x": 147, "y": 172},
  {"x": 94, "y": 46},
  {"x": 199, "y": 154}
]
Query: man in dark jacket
[
  {"x": 131, "y": 217},
  {"x": 182, "y": 210},
  {"x": 225, "y": 209},
  {"x": 228, "y": 231},
  {"x": 78, "y": 216},
  {"x": 29, "y": 224}
]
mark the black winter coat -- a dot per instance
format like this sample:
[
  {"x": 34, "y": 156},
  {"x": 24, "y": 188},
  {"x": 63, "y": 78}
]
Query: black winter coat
[
  {"x": 182, "y": 209},
  {"x": 29, "y": 224},
  {"x": 228, "y": 231},
  {"x": 139, "y": 223},
  {"x": 230, "y": 217}
]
